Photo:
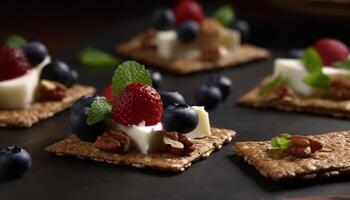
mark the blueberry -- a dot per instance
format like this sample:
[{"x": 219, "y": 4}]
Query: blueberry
[
  {"x": 82, "y": 102},
  {"x": 180, "y": 118},
  {"x": 35, "y": 51},
  {"x": 156, "y": 79},
  {"x": 208, "y": 96},
  {"x": 224, "y": 84},
  {"x": 163, "y": 19},
  {"x": 57, "y": 71},
  {"x": 243, "y": 27},
  {"x": 14, "y": 162},
  {"x": 295, "y": 53},
  {"x": 74, "y": 77},
  {"x": 188, "y": 31},
  {"x": 78, "y": 122},
  {"x": 170, "y": 98}
]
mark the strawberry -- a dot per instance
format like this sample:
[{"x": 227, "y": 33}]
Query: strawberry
[
  {"x": 137, "y": 103},
  {"x": 331, "y": 50},
  {"x": 107, "y": 92},
  {"x": 188, "y": 10},
  {"x": 13, "y": 63}
]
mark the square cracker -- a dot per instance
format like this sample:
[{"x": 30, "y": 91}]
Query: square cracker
[
  {"x": 334, "y": 108},
  {"x": 134, "y": 49},
  {"x": 332, "y": 160},
  {"x": 39, "y": 111},
  {"x": 72, "y": 146}
]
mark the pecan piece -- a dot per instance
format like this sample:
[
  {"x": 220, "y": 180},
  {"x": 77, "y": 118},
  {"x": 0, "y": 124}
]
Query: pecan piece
[
  {"x": 278, "y": 93},
  {"x": 340, "y": 89},
  {"x": 113, "y": 141},
  {"x": 303, "y": 146},
  {"x": 148, "y": 39},
  {"x": 211, "y": 27},
  {"x": 213, "y": 54},
  {"x": 178, "y": 144},
  {"x": 51, "y": 91}
]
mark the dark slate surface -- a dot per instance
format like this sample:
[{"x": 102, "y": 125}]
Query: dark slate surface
[{"x": 221, "y": 176}]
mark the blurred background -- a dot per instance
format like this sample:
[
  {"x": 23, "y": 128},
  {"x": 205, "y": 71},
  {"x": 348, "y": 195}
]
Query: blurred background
[{"x": 274, "y": 23}]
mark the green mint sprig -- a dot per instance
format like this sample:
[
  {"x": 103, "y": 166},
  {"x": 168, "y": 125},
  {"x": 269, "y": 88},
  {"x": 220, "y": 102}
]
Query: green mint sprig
[
  {"x": 15, "y": 40},
  {"x": 313, "y": 64},
  {"x": 268, "y": 87},
  {"x": 99, "y": 110},
  {"x": 92, "y": 57},
  {"x": 281, "y": 141},
  {"x": 344, "y": 64},
  {"x": 129, "y": 72},
  {"x": 225, "y": 15}
]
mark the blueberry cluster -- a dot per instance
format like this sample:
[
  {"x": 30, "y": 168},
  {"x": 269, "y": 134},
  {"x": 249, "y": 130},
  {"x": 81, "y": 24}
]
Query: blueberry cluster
[
  {"x": 212, "y": 93},
  {"x": 56, "y": 70}
]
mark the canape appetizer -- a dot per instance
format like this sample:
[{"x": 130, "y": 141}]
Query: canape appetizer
[
  {"x": 183, "y": 40},
  {"x": 295, "y": 156},
  {"x": 317, "y": 82},
  {"x": 133, "y": 125},
  {"x": 33, "y": 87}
]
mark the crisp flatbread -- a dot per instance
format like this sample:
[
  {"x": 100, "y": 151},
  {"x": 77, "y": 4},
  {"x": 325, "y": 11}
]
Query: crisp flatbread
[
  {"x": 332, "y": 160},
  {"x": 331, "y": 107},
  {"x": 39, "y": 111},
  {"x": 133, "y": 49},
  {"x": 72, "y": 146}
]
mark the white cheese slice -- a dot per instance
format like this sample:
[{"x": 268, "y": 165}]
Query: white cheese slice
[
  {"x": 18, "y": 93},
  {"x": 168, "y": 45},
  {"x": 295, "y": 72},
  {"x": 203, "y": 127},
  {"x": 145, "y": 139}
]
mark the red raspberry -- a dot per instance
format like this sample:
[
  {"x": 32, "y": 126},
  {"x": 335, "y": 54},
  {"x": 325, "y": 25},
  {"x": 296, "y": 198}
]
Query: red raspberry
[
  {"x": 188, "y": 10},
  {"x": 136, "y": 103},
  {"x": 331, "y": 50},
  {"x": 107, "y": 92},
  {"x": 13, "y": 63}
]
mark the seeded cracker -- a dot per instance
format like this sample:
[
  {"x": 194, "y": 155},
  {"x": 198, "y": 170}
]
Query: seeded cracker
[
  {"x": 332, "y": 160},
  {"x": 72, "y": 146},
  {"x": 135, "y": 49},
  {"x": 39, "y": 111},
  {"x": 334, "y": 108}
]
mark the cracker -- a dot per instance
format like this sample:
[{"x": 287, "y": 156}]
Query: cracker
[
  {"x": 332, "y": 160},
  {"x": 39, "y": 111},
  {"x": 133, "y": 49},
  {"x": 72, "y": 146},
  {"x": 334, "y": 108}
]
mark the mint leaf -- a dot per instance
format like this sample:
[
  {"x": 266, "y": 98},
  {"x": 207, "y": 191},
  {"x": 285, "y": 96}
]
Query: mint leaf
[
  {"x": 318, "y": 80},
  {"x": 15, "y": 41},
  {"x": 92, "y": 57},
  {"x": 281, "y": 142},
  {"x": 344, "y": 64},
  {"x": 268, "y": 87},
  {"x": 129, "y": 72},
  {"x": 311, "y": 60},
  {"x": 99, "y": 110},
  {"x": 225, "y": 15}
]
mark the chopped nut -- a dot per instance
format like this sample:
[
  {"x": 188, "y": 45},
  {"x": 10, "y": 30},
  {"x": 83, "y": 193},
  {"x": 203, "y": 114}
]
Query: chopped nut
[
  {"x": 178, "y": 144},
  {"x": 51, "y": 91},
  {"x": 278, "y": 93},
  {"x": 303, "y": 147},
  {"x": 212, "y": 54},
  {"x": 340, "y": 89},
  {"x": 149, "y": 38},
  {"x": 113, "y": 141},
  {"x": 211, "y": 27}
]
